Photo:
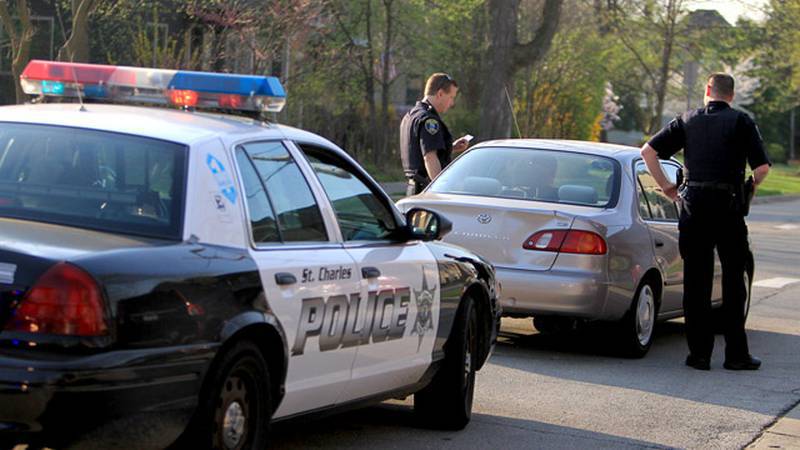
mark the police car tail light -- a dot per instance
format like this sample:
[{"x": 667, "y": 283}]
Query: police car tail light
[
  {"x": 154, "y": 86},
  {"x": 567, "y": 241},
  {"x": 64, "y": 301}
]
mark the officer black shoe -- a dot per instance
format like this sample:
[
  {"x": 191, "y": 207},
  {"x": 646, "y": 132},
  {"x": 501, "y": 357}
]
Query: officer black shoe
[
  {"x": 698, "y": 363},
  {"x": 747, "y": 363}
]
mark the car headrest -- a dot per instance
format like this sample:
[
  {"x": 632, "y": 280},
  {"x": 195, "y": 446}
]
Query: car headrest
[
  {"x": 482, "y": 186},
  {"x": 575, "y": 193}
]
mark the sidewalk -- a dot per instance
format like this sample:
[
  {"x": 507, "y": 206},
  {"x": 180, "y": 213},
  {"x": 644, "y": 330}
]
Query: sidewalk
[{"x": 783, "y": 434}]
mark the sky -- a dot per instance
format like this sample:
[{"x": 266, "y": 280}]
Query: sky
[{"x": 732, "y": 9}]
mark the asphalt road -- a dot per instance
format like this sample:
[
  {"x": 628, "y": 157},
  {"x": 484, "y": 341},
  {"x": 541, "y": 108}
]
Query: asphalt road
[{"x": 545, "y": 392}]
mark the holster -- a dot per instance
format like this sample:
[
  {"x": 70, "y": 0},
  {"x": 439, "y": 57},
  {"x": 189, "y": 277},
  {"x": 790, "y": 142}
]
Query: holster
[{"x": 748, "y": 190}]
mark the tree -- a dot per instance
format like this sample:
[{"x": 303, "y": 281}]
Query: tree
[
  {"x": 76, "y": 49},
  {"x": 562, "y": 97},
  {"x": 20, "y": 39},
  {"x": 506, "y": 56},
  {"x": 777, "y": 65},
  {"x": 651, "y": 32}
]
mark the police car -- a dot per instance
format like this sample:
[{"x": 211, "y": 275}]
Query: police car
[{"x": 231, "y": 270}]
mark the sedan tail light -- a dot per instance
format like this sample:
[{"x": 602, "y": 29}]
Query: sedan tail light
[
  {"x": 64, "y": 301},
  {"x": 567, "y": 241}
]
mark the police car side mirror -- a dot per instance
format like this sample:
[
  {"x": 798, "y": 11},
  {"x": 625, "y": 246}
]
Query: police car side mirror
[{"x": 426, "y": 225}]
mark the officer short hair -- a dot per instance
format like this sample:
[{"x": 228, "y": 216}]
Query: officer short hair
[
  {"x": 439, "y": 81},
  {"x": 721, "y": 84}
]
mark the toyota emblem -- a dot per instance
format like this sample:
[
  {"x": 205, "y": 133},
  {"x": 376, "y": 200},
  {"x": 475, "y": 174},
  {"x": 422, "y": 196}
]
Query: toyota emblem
[{"x": 484, "y": 218}]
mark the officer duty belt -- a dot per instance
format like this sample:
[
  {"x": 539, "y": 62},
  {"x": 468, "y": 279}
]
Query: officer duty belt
[{"x": 721, "y": 186}]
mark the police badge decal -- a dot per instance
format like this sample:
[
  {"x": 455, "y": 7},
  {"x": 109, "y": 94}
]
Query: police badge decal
[{"x": 424, "y": 320}]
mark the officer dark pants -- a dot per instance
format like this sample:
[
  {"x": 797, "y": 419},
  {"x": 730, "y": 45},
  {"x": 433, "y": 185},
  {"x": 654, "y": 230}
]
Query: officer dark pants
[
  {"x": 711, "y": 219},
  {"x": 415, "y": 186}
]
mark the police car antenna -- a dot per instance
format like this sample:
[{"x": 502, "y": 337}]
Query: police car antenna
[
  {"x": 513, "y": 116},
  {"x": 77, "y": 85}
]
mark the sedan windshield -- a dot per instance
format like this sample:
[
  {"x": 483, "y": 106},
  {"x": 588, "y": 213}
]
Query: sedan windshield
[
  {"x": 532, "y": 174},
  {"x": 91, "y": 179}
]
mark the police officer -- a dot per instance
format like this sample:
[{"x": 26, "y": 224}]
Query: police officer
[
  {"x": 426, "y": 145},
  {"x": 717, "y": 141}
]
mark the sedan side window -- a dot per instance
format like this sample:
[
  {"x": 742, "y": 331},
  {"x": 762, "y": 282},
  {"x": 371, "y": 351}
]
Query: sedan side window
[
  {"x": 661, "y": 206},
  {"x": 297, "y": 212},
  {"x": 361, "y": 214}
]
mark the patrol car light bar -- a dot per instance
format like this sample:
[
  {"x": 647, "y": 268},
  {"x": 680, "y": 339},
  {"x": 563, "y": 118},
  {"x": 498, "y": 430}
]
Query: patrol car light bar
[{"x": 159, "y": 86}]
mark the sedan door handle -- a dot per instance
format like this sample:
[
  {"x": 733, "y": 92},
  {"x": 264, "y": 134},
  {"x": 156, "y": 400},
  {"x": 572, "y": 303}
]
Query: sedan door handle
[
  {"x": 370, "y": 272},
  {"x": 285, "y": 279},
  {"x": 659, "y": 243}
]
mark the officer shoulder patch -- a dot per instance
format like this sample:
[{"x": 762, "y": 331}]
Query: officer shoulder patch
[{"x": 432, "y": 126}]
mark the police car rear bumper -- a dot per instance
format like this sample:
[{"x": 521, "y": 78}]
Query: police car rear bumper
[{"x": 65, "y": 395}]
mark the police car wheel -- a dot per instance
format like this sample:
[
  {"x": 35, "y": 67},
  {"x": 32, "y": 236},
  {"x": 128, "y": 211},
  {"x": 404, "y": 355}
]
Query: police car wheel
[
  {"x": 446, "y": 403},
  {"x": 235, "y": 405},
  {"x": 636, "y": 328}
]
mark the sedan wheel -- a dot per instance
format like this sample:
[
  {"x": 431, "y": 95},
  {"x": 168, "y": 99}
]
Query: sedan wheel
[{"x": 636, "y": 328}]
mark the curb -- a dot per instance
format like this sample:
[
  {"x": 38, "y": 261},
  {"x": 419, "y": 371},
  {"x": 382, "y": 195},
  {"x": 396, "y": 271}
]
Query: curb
[
  {"x": 775, "y": 199},
  {"x": 783, "y": 434}
]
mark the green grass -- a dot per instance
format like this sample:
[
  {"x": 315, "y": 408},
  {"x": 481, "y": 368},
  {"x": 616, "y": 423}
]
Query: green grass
[{"x": 782, "y": 180}]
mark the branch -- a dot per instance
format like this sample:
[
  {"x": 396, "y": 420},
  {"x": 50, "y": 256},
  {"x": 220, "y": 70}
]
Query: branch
[
  {"x": 533, "y": 52},
  {"x": 8, "y": 23}
]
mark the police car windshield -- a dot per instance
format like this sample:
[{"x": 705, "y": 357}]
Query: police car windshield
[
  {"x": 92, "y": 179},
  {"x": 532, "y": 174}
]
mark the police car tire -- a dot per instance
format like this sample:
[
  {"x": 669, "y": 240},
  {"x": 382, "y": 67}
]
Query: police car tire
[
  {"x": 628, "y": 330},
  {"x": 240, "y": 377},
  {"x": 446, "y": 403}
]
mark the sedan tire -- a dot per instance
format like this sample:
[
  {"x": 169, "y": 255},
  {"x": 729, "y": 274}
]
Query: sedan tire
[
  {"x": 636, "y": 328},
  {"x": 446, "y": 403}
]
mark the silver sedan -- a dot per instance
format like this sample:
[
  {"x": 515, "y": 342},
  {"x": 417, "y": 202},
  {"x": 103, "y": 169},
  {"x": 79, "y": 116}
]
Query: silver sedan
[{"x": 578, "y": 231}]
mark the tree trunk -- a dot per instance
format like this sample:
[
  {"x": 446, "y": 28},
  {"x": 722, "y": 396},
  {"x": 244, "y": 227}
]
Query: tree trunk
[
  {"x": 673, "y": 9},
  {"x": 386, "y": 82},
  {"x": 76, "y": 49},
  {"x": 20, "y": 42},
  {"x": 506, "y": 56}
]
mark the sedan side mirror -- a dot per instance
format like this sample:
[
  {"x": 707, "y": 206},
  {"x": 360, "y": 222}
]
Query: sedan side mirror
[{"x": 426, "y": 225}]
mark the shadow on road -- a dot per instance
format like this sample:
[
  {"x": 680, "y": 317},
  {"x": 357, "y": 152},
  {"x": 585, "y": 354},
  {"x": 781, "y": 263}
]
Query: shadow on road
[
  {"x": 393, "y": 425},
  {"x": 590, "y": 356}
]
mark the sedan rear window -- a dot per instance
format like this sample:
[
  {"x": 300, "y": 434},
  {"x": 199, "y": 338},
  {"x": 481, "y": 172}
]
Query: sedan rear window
[
  {"x": 92, "y": 179},
  {"x": 531, "y": 174}
]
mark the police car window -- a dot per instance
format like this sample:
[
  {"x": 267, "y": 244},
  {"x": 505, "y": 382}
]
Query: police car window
[
  {"x": 533, "y": 174},
  {"x": 92, "y": 179},
  {"x": 298, "y": 215},
  {"x": 361, "y": 214},
  {"x": 661, "y": 206},
  {"x": 262, "y": 219}
]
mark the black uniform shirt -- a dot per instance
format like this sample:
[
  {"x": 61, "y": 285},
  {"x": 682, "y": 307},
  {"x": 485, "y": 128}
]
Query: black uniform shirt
[
  {"x": 422, "y": 131},
  {"x": 717, "y": 141}
]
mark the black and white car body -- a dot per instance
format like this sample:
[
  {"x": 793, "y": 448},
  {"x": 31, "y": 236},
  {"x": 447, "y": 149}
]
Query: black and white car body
[{"x": 156, "y": 260}]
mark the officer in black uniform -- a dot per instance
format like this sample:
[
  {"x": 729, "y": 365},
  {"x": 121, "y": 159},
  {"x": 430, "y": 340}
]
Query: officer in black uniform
[
  {"x": 717, "y": 142},
  {"x": 426, "y": 145}
]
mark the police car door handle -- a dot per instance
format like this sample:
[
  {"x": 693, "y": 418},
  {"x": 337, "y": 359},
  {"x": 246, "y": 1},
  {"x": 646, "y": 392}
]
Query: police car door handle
[
  {"x": 659, "y": 243},
  {"x": 370, "y": 272},
  {"x": 285, "y": 279}
]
